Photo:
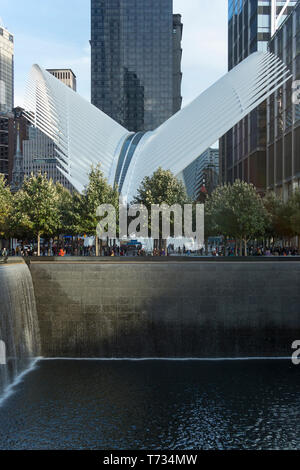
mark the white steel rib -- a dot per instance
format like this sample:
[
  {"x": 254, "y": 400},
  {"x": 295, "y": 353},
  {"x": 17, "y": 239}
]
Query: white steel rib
[{"x": 85, "y": 136}]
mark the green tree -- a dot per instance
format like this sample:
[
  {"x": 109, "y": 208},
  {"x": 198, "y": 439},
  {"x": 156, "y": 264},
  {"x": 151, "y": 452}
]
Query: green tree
[
  {"x": 273, "y": 206},
  {"x": 70, "y": 208},
  {"x": 161, "y": 188},
  {"x": 76, "y": 222},
  {"x": 279, "y": 216},
  {"x": 5, "y": 206},
  {"x": 236, "y": 211},
  {"x": 36, "y": 208},
  {"x": 19, "y": 223},
  {"x": 295, "y": 216},
  {"x": 97, "y": 192}
]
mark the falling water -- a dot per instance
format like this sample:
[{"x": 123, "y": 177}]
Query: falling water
[{"x": 19, "y": 329}]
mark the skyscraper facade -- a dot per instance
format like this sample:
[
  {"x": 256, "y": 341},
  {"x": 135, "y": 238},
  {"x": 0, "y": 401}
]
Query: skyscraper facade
[
  {"x": 6, "y": 70},
  {"x": 136, "y": 60},
  {"x": 9, "y": 123},
  {"x": 39, "y": 156},
  {"x": 6, "y": 141},
  {"x": 177, "y": 56},
  {"x": 204, "y": 171},
  {"x": 283, "y": 117},
  {"x": 6, "y": 96},
  {"x": 18, "y": 127},
  {"x": 243, "y": 148}
]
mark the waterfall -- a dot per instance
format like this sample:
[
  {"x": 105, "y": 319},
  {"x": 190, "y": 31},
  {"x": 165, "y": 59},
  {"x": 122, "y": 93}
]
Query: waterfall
[{"x": 19, "y": 330}]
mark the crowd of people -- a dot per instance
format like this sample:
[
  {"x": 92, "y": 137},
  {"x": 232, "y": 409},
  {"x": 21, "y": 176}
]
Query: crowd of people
[
  {"x": 137, "y": 250},
  {"x": 256, "y": 251}
]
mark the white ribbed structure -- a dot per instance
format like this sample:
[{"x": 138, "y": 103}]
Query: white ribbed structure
[
  {"x": 279, "y": 12},
  {"x": 84, "y": 135}
]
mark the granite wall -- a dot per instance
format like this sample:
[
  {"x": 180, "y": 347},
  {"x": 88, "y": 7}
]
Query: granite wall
[{"x": 167, "y": 309}]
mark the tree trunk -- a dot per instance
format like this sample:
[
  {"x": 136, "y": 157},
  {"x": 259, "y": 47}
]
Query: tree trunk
[
  {"x": 97, "y": 245},
  {"x": 100, "y": 252},
  {"x": 39, "y": 244},
  {"x": 245, "y": 242},
  {"x": 236, "y": 248}
]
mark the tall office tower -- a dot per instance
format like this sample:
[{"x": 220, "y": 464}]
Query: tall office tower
[
  {"x": 177, "y": 56},
  {"x": 243, "y": 148},
  {"x": 204, "y": 171},
  {"x": 6, "y": 70},
  {"x": 66, "y": 76},
  {"x": 283, "y": 117},
  {"x": 6, "y": 96},
  {"x": 9, "y": 123},
  {"x": 136, "y": 60},
  {"x": 6, "y": 131}
]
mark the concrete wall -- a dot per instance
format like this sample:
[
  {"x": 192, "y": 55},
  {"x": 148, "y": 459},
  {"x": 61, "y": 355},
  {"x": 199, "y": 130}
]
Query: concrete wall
[{"x": 167, "y": 309}]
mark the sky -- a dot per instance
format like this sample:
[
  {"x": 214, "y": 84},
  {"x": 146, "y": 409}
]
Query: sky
[{"x": 56, "y": 33}]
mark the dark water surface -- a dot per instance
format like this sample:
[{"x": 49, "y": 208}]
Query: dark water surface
[{"x": 154, "y": 405}]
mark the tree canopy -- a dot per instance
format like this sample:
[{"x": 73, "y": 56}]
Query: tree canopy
[
  {"x": 36, "y": 208},
  {"x": 161, "y": 187},
  {"x": 236, "y": 211},
  {"x": 97, "y": 192},
  {"x": 5, "y": 206},
  {"x": 44, "y": 209}
]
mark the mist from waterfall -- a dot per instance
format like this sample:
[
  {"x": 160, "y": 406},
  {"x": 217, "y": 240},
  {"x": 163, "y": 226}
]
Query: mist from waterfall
[{"x": 19, "y": 328}]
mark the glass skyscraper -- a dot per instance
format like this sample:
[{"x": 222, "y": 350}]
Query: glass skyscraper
[
  {"x": 283, "y": 116},
  {"x": 243, "y": 148},
  {"x": 136, "y": 61},
  {"x": 6, "y": 96},
  {"x": 6, "y": 70}
]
